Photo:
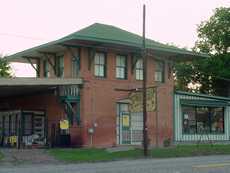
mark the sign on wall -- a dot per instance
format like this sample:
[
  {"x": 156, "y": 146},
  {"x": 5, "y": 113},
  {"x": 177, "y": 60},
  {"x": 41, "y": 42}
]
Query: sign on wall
[
  {"x": 64, "y": 124},
  {"x": 137, "y": 100},
  {"x": 125, "y": 120}
]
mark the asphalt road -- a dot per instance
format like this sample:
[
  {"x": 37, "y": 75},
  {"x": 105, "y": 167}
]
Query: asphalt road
[{"x": 207, "y": 164}]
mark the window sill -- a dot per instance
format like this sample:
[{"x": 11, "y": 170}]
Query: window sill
[
  {"x": 204, "y": 134},
  {"x": 159, "y": 82},
  {"x": 121, "y": 78},
  {"x": 99, "y": 77}
]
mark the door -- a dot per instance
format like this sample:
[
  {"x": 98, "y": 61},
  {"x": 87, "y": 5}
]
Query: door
[
  {"x": 33, "y": 127},
  {"x": 125, "y": 128},
  {"x": 39, "y": 126},
  {"x": 136, "y": 128},
  {"x": 129, "y": 125}
]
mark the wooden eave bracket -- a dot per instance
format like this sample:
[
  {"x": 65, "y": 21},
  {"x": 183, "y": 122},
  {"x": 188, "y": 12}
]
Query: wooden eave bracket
[
  {"x": 69, "y": 48},
  {"x": 134, "y": 60},
  {"x": 73, "y": 111},
  {"x": 47, "y": 56},
  {"x": 74, "y": 56},
  {"x": 31, "y": 63},
  {"x": 91, "y": 54}
]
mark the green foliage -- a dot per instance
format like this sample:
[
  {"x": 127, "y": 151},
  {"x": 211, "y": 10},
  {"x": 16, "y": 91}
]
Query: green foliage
[
  {"x": 184, "y": 74},
  {"x": 167, "y": 142},
  {"x": 214, "y": 34},
  {"x": 4, "y": 68},
  {"x": 1, "y": 156},
  {"x": 213, "y": 74}
]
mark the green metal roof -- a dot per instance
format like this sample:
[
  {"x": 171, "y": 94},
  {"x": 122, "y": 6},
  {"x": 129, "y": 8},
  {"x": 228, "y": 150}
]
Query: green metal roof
[
  {"x": 105, "y": 34},
  {"x": 203, "y": 95},
  {"x": 201, "y": 103}
]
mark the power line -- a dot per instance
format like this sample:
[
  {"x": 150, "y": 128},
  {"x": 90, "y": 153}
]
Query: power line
[
  {"x": 216, "y": 77},
  {"x": 22, "y": 36},
  {"x": 222, "y": 78}
]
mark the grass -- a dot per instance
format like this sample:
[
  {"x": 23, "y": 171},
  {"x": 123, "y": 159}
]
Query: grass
[
  {"x": 190, "y": 150},
  {"x": 93, "y": 155},
  {"x": 1, "y": 156}
]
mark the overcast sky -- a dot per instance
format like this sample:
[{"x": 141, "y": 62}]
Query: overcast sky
[{"x": 27, "y": 23}]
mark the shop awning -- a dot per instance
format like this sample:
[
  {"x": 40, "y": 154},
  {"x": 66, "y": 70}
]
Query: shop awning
[
  {"x": 205, "y": 103},
  {"x": 24, "y": 86}
]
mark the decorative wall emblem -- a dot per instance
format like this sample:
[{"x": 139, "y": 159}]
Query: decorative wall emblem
[{"x": 136, "y": 100}]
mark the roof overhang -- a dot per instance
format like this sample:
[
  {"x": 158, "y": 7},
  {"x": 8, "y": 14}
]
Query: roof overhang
[
  {"x": 176, "y": 56},
  {"x": 24, "y": 86},
  {"x": 39, "y": 81},
  {"x": 59, "y": 46},
  {"x": 35, "y": 53}
]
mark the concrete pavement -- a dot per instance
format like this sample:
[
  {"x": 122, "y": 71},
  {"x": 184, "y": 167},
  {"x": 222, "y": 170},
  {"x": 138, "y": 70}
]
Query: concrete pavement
[{"x": 205, "y": 164}]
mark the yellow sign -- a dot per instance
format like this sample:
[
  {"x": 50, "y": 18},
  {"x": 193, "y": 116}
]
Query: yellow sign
[
  {"x": 125, "y": 120},
  {"x": 64, "y": 124},
  {"x": 13, "y": 140},
  {"x": 137, "y": 98}
]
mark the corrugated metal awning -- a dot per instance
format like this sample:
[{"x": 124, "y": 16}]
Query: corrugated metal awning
[
  {"x": 25, "y": 86},
  {"x": 205, "y": 103}
]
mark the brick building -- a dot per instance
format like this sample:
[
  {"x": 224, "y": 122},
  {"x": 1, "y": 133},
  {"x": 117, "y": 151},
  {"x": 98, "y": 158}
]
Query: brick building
[{"x": 92, "y": 78}]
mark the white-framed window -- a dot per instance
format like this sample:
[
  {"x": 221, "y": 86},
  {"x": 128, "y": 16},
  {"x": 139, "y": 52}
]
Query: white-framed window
[
  {"x": 121, "y": 67},
  {"x": 139, "y": 69},
  {"x": 76, "y": 65},
  {"x": 46, "y": 68},
  {"x": 159, "y": 71},
  {"x": 202, "y": 120},
  {"x": 99, "y": 65}
]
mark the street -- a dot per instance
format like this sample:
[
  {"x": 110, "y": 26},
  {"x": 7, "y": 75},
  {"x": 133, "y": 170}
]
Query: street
[{"x": 205, "y": 164}]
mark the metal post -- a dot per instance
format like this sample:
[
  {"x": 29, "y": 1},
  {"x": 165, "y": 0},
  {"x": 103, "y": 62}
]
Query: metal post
[
  {"x": 20, "y": 130},
  {"x": 157, "y": 132},
  {"x": 145, "y": 130}
]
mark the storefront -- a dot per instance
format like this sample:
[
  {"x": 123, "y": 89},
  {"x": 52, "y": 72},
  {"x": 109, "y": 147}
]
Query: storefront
[
  {"x": 22, "y": 128},
  {"x": 31, "y": 111},
  {"x": 199, "y": 117}
]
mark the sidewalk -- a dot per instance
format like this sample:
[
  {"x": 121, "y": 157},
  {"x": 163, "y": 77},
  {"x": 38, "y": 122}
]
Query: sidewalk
[{"x": 26, "y": 156}]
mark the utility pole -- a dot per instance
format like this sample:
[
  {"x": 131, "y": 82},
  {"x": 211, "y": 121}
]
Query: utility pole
[{"x": 145, "y": 129}]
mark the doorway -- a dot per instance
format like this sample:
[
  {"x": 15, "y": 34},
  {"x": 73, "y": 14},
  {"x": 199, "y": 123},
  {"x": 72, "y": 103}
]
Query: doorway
[
  {"x": 26, "y": 128},
  {"x": 129, "y": 126}
]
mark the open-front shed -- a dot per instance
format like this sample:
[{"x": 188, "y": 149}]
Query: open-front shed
[
  {"x": 23, "y": 127},
  {"x": 200, "y": 118},
  {"x": 31, "y": 109}
]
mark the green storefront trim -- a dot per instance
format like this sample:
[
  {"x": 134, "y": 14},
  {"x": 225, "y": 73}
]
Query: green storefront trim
[
  {"x": 202, "y": 95},
  {"x": 182, "y": 98},
  {"x": 203, "y": 103}
]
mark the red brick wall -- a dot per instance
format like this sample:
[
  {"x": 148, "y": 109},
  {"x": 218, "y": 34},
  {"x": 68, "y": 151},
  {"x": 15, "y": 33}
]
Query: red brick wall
[
  {"x": 98, "y": 103},
  {"x": 99, "y": 100}
]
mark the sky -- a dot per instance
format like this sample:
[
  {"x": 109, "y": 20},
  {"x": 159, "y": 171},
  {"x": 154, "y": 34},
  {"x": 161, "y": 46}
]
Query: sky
[{"x": 27, "y": 23}]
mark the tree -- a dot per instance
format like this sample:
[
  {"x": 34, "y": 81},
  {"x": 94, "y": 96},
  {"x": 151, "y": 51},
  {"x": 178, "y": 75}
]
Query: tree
[
  {"x": 4, "y": 68},
  {"x": 213, "y": 74},
  {"x": 214, "y": 34}
]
